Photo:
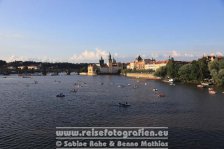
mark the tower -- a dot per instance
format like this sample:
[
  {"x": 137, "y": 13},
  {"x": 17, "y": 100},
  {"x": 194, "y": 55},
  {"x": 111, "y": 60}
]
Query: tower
[
  {"x": 101, "y": 61},
  {"x": 109, "y": 58},
  {"x": 113, "y": 61},
  {"x": 110, "y": 63}
]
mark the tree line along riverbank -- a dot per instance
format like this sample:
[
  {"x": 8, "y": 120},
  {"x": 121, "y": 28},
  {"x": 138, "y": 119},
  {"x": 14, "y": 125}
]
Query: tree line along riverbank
[
  {"x": 195, "y": 72},
  {"x": 29, "y": 67}
]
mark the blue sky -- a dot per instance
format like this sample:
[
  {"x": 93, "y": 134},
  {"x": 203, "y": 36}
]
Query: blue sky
[{"x": 82, "y": 30}]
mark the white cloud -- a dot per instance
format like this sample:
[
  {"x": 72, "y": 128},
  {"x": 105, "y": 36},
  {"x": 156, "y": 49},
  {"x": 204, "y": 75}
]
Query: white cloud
[
  {"x": 188, "y": 55},
  {"x": 155, "y": 55},
  {"x": 166, "y": 54},
  {"x": 93, "y": 56},
  {"x": 89, "y": 56},
  {"x": 173, "y": 53},
  {"x": 116, "y": 55},
  {"x": 17, "y": 58},
  {"x": 11, "y": 36},
  {"x": 177, "y": 55},
  {"x": 37, "y": 59}
]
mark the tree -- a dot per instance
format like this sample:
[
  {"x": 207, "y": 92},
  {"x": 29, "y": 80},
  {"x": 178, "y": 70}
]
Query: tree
[
  {"x": 213, "y": 65},
  {"x": 203, "y": 68},
  {"x": 83, "y": 69},
  {"x": 44, "y": 69},
  {"x": 220, "y": 77},
  {"x": 217, "y": 71},
  {"x": 172, "y": 68},
  {"x": 185, "y": 72},
  {"x": 161, "y": 72},
  {"x": 2, "y": 66},
  {"x": 221, "y": 64},
  {"x": 25, "y": 68},
  {"x": 2, "y": 63},
  {"x": 194, "y": 74}
]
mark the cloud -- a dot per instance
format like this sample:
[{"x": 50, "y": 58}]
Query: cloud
[
  {"x": 93, "y": 56},
  {"x": 25, "y": 58},
  {"x": 185, "y": 55},
  {"x": 172, "y": 53},
  {"x": 89, "y": 56},
  {"x": 189, "y": 55},
  {"x": 175, "y": 54},
  {"x": 11, "y": 36},
  {"x": 17, "y": 58}
]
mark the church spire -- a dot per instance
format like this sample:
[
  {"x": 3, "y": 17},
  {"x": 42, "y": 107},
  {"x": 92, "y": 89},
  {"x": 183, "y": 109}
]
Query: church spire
[{"x": 109, "y": 56}]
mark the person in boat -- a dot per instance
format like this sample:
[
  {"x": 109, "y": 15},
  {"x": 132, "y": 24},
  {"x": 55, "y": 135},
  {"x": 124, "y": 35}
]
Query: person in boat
[
  {"x": 60, "y": 95},
  {"x": 155, "y": 89},
  {"x": 124, "y": 104},
  {"x": 75, "y": 90},
  {"x": 161, "y": 95}
]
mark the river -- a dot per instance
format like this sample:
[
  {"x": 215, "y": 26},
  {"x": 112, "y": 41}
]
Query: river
[{"x": 29, "y": 112}]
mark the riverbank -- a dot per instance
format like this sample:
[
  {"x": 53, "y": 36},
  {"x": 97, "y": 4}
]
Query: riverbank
[{"x": 142, "y": 75}]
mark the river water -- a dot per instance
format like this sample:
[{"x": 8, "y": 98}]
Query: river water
[{"x": 30, "y": 113}]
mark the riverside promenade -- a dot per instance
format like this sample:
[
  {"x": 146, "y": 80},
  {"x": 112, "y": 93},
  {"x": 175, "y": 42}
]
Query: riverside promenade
[{"x": 142, "y": 75}]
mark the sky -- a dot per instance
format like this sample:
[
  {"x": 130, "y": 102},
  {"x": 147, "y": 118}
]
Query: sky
[{"x": 83, "y": 30}]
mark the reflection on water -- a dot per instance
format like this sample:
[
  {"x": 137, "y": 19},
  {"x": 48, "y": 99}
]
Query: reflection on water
[{"x": 29, "y": 111}]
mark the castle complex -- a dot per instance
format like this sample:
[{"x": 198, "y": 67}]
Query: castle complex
[{"x": 112, "y": 67}]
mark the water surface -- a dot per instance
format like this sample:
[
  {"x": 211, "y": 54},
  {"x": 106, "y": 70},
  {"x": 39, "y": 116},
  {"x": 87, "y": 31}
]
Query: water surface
[{"x": 30, "y": 112}]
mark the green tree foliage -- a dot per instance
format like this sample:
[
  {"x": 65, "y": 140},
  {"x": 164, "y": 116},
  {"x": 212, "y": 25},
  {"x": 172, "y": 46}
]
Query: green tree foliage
[
  {"x": 2, "y": 63},
  {"x": 44, "y": 69},
  {"x": 203, "y": 68},
  {"x": 83, "y": 69},
  {"x": 194, "y": 73},
  {"x": 170, "y": 68},
  {"x": 221, "y": 77},
  {"x": 213, "y": 65},
  {"x": 217, "y": 71},
  {"x": 185, "y": 72},
  {"x": 221, "y": 64},
  {"x": 161, "y": 72}
]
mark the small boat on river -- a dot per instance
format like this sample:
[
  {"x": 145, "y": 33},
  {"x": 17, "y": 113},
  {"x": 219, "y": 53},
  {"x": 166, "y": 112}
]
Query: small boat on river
[
  {"x": 160, "y": 94},
  {"x": 200, "y": 86},
  {"x": 155, "y": 89},
  {"x": 172, "y": 84},
  {"x": 124, "y": 104},
  {"x": 210, "y": 89},
  {"x": 60, "y": 95},
  {"x": 212, "y": 92}
]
